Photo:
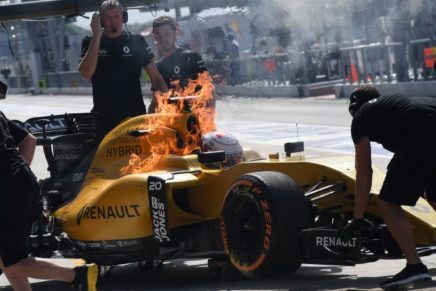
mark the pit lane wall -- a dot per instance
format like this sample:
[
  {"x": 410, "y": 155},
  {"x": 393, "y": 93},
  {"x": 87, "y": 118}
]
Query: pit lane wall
[
  {"x": 424, "y": 88},
  {"x": 74, "y": 85},
  {"x": 420, "y": 88},
  {"x": 294, "y": 91}
]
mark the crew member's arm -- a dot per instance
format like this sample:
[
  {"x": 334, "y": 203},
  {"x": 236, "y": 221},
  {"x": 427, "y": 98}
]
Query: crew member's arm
[
  {"x": 27, "y": 148},
  {"x": 363, "y": 176},
  {"x": 157, "y": 82},
  {"x": 88, "y": 63},
  {"x": 25, "y": 141}
]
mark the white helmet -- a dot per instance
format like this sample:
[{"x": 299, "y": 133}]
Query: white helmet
[{"x": 220, "y": 141}]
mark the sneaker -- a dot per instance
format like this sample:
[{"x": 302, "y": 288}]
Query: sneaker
[
  {"x": 86, "y": 277},
  {"x": 410, "y": 274}
]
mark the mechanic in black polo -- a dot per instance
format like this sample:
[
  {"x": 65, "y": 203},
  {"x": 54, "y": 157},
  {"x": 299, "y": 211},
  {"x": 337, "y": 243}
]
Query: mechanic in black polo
[
  {"x": 406, "y": 126},
  {"x": 19, "y": 194},
  {"x": 113, "y": 60},
  {"x": 176, "y": 63}
]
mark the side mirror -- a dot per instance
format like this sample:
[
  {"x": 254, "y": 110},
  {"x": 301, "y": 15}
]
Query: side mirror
[{"x": 293, "y": 147}]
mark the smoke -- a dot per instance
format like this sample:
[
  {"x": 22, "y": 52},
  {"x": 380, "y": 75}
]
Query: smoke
[
  {"x": 308, "y": 22},
  {"x": 340, "y": 22}
]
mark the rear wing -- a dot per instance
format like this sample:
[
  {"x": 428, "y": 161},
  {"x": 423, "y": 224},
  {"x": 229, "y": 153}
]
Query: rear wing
[{"x": 63, "y": 124}]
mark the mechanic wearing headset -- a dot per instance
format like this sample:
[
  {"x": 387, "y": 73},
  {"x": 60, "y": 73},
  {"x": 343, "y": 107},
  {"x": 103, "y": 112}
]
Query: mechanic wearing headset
[
  {"x": 406, "y": 126},
  {"x": 19, "y": 193},
  {"x": 176, "y": 63},
  {"x": 113, "y": 60}
]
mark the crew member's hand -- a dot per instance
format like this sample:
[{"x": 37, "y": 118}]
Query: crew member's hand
[
  {"x": 353, "y": 228},
  {"x": 96, "y": 25}
]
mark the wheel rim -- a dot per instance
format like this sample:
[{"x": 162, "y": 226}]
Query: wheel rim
[{"x": 246, "y": 226}]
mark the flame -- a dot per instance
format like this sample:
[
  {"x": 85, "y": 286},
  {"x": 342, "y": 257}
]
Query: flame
[{"x": 183, "y": 115}]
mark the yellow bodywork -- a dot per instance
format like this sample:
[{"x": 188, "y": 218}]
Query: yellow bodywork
[{"x": 113, "y": 206}]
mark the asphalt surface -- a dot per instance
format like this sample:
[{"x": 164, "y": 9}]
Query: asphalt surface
[{"x": 261, "y": 123}]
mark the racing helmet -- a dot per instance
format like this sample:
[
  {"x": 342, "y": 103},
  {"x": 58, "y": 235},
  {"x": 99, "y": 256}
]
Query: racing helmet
[
  {"x": 360, "y": 96},
  {"x": 220, "y": 141}
]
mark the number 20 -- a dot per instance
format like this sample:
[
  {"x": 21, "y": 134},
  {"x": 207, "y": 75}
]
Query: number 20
[{"x": 155, "y": 186}]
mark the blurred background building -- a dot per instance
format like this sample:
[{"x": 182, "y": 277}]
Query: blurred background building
[{"x": 279, "y": 42}]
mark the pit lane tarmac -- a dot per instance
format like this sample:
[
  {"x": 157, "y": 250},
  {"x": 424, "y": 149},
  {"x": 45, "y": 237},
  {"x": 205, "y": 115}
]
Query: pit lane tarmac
[{"x": 193, "y": 275}]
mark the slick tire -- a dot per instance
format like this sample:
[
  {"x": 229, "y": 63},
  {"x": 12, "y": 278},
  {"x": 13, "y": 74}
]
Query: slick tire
[{"x": 262, "y": 217}]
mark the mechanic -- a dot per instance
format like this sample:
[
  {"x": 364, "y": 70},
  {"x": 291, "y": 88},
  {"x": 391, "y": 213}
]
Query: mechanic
[
  {"x": 233, "y": 54},
  {"x": 177, "y": 63},
  {"x": 404, "y": 125},
  {"x": 19, "y": 194},
  {"x": 113, "y": 59}
]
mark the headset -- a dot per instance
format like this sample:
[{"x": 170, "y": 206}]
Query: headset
[
  {"x": 358, "y": 99},
  {"x": 354, "y": 104}
]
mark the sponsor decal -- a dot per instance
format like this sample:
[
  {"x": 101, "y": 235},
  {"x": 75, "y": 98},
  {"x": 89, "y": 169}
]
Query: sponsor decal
[
  {"x": 159, "y": 222},
  {"x": 68, "y": 157},
  {"x": 77, "y": 177},
  {"x": 267, "y": 218},
  {"x": 96, "y": 212},
  {"x": 331, "y": 241},
  {"x": 158, "y": 208},
  {"x": 55, "y": 123},
  {"x": 126, "y": 50},
  {"x": 70, "y": 146},
  {"x": 120, "y": 151},
  {"x": 247, "y": 190},
  {"x": 103, "y": 53},
  {"x": 176, "y": 70},
  {"x": 108, "y": 244}
]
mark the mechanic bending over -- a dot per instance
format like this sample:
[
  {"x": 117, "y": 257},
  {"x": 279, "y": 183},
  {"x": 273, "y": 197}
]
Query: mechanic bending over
[
  {"x": 113, "y": 60},
  {"x": 176, "y": 63},
  {"x": 19, "y": 195},
  {"x": 406, "y": 126}
]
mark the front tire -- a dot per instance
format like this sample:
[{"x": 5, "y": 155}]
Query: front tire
[{"x": 261, "y": 221}]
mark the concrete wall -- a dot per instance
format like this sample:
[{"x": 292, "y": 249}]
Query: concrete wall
[
  {"x": 423, "y": 88},
  {"x": 273, "y": 91}
]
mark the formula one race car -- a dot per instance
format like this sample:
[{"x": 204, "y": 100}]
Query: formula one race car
[{"x": 122, "y": 199}]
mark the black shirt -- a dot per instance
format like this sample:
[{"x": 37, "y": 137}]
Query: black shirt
[
  {"x": 11, "y": 134},
  {"x": 398, "y": 119},
  {"x": 116, "y": 85},
  {"x": 182, "y": 65}
]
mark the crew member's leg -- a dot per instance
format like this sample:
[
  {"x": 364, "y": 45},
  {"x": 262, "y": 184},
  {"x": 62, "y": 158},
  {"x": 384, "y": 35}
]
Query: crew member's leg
[
  {"x": 14, "y": 227},
  {"x": 40, "y": 269},
  {"x": 17, "y": 282},
  {"x": 403, "y": 185},
  {"x": 400, "y": 228}
]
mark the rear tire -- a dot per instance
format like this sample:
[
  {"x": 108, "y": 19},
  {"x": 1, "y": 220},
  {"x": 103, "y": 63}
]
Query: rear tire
[{"x": 261, "y": 221}]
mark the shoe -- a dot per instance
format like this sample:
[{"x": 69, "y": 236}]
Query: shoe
[
  {"x": 410, "y": 274},
  {"x": 86, "y": 277}
]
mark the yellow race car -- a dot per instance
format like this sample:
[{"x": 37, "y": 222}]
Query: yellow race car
[{"x": 138, "y": 196}]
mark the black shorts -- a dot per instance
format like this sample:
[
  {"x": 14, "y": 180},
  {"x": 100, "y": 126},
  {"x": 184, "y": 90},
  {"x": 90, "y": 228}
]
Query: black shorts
[
  {"x": 17, "y": 207},
  {"x": 410, "y": 174}
]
